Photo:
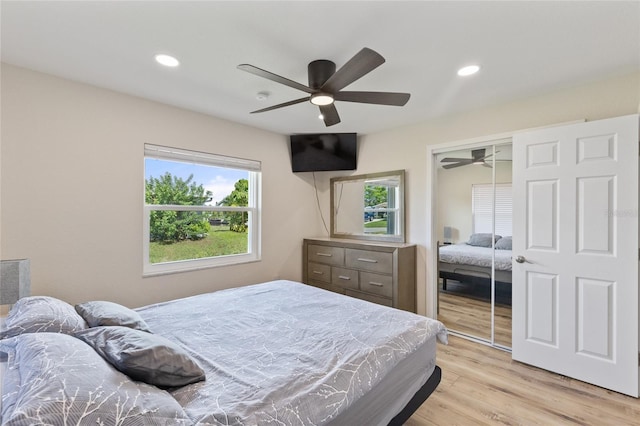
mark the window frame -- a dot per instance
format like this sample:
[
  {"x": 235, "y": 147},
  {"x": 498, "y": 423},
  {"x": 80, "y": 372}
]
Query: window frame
[{"x": 253, "y": 209}]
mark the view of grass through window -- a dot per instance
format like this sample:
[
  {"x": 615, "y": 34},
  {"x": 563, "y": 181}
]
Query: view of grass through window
[
  {"x": 218, "y": 240},
  {"x": 210, "y": 226}
]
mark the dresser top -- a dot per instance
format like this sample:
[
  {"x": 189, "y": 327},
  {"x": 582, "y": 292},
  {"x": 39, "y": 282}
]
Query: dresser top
[{"x": 346, "y": 242}]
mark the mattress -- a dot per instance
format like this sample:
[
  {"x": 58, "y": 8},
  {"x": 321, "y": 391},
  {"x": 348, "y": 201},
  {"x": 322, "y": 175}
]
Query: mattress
[
  {"x": 464, "y": 254},
  {"x": 387, "y": 398},
  {"x": 287, "y": 353}
]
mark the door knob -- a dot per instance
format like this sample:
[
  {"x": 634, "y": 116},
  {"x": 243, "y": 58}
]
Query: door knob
[{"x": 520, "y": 259}]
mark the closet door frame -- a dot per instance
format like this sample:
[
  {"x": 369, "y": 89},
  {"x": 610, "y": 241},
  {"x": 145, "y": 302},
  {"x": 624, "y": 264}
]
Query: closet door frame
[{"x": 432, "y": 271}]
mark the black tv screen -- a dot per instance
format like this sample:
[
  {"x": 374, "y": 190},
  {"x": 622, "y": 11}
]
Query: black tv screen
[{"x": 323, "y": 152}]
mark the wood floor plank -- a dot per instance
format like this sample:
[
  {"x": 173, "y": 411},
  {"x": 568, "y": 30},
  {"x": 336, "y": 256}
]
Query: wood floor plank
[{"x": 484, "y": 386}]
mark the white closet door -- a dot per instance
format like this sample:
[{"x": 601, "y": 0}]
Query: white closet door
[{"x": 575, "y": 295}]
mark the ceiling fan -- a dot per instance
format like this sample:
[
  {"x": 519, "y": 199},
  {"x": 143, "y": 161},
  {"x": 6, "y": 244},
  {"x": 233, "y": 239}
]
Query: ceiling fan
[
  {"x": 477, "y": 157},
  {"x": 326, "y": 84}
]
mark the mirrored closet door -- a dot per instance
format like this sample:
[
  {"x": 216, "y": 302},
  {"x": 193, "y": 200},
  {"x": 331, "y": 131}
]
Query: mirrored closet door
[{"x": 473, "y": 212}]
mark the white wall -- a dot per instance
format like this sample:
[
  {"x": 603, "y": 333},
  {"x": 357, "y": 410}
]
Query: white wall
[{"x": 72, "y": 190}]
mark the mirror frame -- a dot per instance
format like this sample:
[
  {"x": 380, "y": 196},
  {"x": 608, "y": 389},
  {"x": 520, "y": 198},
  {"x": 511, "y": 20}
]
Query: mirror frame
[{"x": 372, "y": 237}]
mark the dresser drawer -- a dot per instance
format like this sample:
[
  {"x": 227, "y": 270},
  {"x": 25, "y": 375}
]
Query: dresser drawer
[
  {"x": 373, "y": 261},
  {"x": 377, "y": 284},
  {"x": 319, "y": 272},
  {"x": 346, "y": 278},
  {"x": 369, "y": 297},
  {"x": 326, "y": 254},
  {"x": 376, "y": 272}
]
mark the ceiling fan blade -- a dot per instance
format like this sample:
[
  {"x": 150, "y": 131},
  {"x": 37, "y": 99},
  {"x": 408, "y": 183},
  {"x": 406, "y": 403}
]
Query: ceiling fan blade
[
  {"x": 330, "y": 114},
  {"x": 296, "y": 101},
  {"x": 461, "y": 163},
  {"x": 380, "y": 98},
  {"x": 361, "y": 64},
  {"x": 274, "y": 77},
  {"x": 487, "y": 165},
  {"x": 452, "y": 159}
]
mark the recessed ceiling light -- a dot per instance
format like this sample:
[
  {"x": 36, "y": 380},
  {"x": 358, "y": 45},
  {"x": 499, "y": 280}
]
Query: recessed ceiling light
[
  {"x": 261, "y": 96},
  {"x": 320, "y": 117},
  {"x": 167, "y": 61},
  {"x": 468, "y": 70}
]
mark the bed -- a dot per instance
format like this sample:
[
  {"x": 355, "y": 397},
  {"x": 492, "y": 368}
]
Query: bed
[
  {"x": 280, "y": 353},
  {"x": 472, "y": 264}
]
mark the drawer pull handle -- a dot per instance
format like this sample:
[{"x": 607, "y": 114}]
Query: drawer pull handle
[
  {"x": 344, "y": 277},
  {"x": 376, "y": 284},
  {"x": 318, "y": 272},
  {"x": 364, "y": 259},
  {"x": 324, "y": 254}
]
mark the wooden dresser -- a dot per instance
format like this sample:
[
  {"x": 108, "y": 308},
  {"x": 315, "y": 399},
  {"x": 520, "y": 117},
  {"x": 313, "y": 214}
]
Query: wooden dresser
[{"x": 383, "y": 273}]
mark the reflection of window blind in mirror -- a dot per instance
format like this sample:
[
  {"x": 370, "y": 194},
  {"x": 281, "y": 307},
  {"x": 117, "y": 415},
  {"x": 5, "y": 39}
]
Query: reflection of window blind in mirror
[{"x": 482, "y": 208}]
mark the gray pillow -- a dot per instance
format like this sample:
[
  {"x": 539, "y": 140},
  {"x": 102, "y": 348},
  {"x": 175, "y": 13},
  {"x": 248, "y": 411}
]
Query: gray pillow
[
  {"x": 504, "y": 243},
  {"x": 37, "y": 314},
  {"x": 56, "y": 379},
  {"x": 144, "y": 356},
  {"x": 99, "y": 312},
  {"x": 482, "y": 240}
]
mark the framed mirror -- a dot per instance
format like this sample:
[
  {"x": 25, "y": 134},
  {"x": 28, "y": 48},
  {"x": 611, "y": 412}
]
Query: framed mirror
[{"x": 368, "y": 207}]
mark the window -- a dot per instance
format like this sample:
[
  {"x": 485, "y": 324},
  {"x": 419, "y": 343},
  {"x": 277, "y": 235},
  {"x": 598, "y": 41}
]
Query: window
[
  {"x": 482, "y": 208},
  {"x": 380, "y": 210},
  {"x": 200, "y": 210}
]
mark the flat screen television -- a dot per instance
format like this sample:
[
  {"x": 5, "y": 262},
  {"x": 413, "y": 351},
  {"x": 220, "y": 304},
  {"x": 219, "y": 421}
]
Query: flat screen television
[{"x": 323, "y": 152}]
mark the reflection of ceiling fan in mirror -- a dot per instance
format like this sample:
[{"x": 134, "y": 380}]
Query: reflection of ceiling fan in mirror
[{"x": 478, "y": 157}]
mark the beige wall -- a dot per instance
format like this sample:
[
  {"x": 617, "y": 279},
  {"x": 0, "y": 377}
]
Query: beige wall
[
  {"x": 379, "y": 152},
  {"x": 73, "y": 182}
]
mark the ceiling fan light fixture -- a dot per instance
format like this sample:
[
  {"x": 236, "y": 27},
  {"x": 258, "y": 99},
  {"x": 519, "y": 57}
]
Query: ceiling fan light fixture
[{"x": 321, "y": 99}]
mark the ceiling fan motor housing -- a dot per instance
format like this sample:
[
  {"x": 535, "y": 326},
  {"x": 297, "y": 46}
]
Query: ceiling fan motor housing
[
  {"x": 319, "y": 72},
  {"x": 478, "y": 154}
]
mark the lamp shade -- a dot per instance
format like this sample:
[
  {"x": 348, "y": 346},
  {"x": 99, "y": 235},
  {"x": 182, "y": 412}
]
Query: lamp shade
[
  {"x": 448, "y": 233},
  {"x": 15, "y": 280}
]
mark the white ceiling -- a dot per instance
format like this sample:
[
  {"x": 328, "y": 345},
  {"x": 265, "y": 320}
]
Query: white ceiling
[{"x": 524, "y": 49}]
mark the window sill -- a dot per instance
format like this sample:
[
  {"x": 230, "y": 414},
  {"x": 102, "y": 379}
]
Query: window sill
[{"x": 168, "y": 268}]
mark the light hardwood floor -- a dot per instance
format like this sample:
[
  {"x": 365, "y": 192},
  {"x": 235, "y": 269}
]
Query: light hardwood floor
[
  {"x": 483, "y": 386},
  {"x": 473, "y": 317}
]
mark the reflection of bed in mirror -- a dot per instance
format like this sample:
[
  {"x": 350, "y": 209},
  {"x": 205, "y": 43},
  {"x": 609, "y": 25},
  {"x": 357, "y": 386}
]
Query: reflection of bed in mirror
[{"x": 471, "y": 265}]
